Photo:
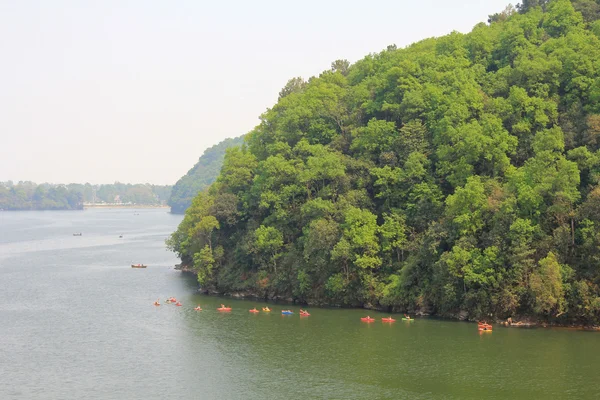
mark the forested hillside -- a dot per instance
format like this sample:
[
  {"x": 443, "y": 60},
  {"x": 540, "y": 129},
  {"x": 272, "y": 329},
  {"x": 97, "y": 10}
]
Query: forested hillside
[
  {"x": 459, "y": 174},
  {"x": 200, "y": 176},
  {"x": 31, "y": 196}
]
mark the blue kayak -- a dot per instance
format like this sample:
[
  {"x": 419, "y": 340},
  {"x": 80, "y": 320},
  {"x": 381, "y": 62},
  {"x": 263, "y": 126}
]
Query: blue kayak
[{"x": 287, "y": 312}]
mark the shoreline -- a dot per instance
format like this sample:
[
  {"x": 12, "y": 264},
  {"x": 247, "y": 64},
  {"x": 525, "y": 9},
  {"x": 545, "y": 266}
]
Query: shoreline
[
  {"x": 524, "y": 322},
  {"x": 85, "y": 207}
]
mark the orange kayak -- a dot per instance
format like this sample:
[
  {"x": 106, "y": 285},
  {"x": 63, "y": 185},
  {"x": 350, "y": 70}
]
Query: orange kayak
[
  {"x": 254, "y": 310},
  {"x": 198, "y": 309},
  {"x": 226, "y": 309},
  {"x": 304, "y": 314},
  {"x": 367, "y": 319},
  {"x": 178, "y": 304},
  {"x": 390, "y": 319}
]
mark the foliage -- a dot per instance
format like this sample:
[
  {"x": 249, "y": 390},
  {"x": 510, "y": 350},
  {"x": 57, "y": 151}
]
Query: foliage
[{"x": 459, "y": 174}]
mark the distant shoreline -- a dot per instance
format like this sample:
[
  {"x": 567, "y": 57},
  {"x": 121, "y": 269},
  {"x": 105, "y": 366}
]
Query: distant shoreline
[{"x": 86, "y": 206}]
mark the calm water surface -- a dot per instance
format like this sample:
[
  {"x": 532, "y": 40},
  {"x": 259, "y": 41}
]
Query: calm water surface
[{"x": 77, "y": 322}]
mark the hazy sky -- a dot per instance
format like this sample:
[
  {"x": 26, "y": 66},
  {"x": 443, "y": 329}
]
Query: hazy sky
[{"x": 136, "y": 90}]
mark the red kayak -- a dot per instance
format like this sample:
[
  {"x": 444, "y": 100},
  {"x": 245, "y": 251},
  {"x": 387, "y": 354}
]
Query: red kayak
[
  {"x": 483, "y": 326},
  {"x": 390, "y": 319},
  {"x": 178, "y": 304},
  {"x": 225, "y": 309},
  {"x": 367, "y": 319},
  {"x": 253, "y": 310},
  {"x": 304, "y": 314}
]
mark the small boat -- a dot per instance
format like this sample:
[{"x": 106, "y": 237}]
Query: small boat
[
  {"x": 120, "y": 236},
  {"x": 224, "y": 309},
  {"x": 367, "y": 319},
  {"x": 390, "y": 319},
  {"x": 78, "y": 234},
  {"x": 198, "y": 308},
  {"x": 156, "y": 303},
  {"x": 138, "y": 266},
  {"x": 286, "y": 312},
  {"x": 408, "y": 319},
  {"x": 483, "y": 327},
  {"x": 178, "y": 304},
  {"x": 266, "y": 309},
  {"x": 254, "y": 310},
  {"x": 304, "y": 313}
]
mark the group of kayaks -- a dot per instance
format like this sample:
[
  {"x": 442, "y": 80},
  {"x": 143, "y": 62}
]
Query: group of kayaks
[
  {"x": 388, "y": 319},
  {"x": 482, "y": 326},
  {"x": 224, "y": 308},
  {"x": 170, "y": 300}
]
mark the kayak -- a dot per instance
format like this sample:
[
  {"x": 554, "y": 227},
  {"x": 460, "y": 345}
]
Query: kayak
[
  {"x": 253, "y": 310},
  {"x": 390, "y": 319},
  {"x": 408, "y": 319},
  {"x": 304, "y": 314},
  {"x": 266, "y": 309},
  {"x": 157, "y": 304},
  {"x": 484, "y": 327},
  {"x": 178, "y": 304},
  {"x": 367, "y": 319},
  {"x": 226, "y": 309},
  {"x": 198, "y": 309},
  {"x": 287, "y": 312}
]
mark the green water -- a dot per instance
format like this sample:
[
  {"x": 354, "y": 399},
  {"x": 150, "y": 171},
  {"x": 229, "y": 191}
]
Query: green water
[{"x": 77, "y": 322}]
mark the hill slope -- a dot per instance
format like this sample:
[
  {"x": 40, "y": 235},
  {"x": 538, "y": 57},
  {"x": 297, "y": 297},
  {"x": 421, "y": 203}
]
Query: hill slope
[
  {"x": 460, "y": 174},
  {"x": 202, "y": 174}
]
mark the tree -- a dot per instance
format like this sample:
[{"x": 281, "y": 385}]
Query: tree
[
  {"x": 393, "y": 234},
  {"x": 547, "y": 288},
  {"x": 267, "y": 243},
  {"x": 294, "y": 85}
]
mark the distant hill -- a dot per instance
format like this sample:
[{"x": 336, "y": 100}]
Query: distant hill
[{"x": 201, "y": 175}]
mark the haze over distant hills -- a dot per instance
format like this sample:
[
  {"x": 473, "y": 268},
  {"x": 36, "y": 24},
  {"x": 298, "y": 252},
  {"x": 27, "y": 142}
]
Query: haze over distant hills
[{"x": 73, "y": 196}]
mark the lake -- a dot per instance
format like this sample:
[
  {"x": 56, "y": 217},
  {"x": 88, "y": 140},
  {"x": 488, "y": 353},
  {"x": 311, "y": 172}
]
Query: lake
[{"x": 76, "y": 321}]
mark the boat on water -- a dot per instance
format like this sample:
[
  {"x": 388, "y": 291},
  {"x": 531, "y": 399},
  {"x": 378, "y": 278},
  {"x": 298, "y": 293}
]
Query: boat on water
[
  {"x": 484, "y": 327},
  {"x": 390, "y": 319},
  {"x": 138, "y": 266},
  {"x": 78, "y": 234},
  {"x": 367, "y": 319},
  {"x": 287, "y": 312}
]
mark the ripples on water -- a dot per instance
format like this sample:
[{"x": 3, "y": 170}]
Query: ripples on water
[{"x": 77, "y": 322}]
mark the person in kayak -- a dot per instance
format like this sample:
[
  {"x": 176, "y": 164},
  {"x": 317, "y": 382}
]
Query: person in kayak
[
  {"x": 406, "y": 316},
  {"x": 157, "y": 302}
]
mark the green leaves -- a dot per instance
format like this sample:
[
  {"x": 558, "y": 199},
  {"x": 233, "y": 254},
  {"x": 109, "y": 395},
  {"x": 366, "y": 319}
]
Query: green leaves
[{"x": 434, "y": 177}]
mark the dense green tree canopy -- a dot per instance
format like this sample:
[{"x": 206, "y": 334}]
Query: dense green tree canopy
[{"x": 461, "y": 173}]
